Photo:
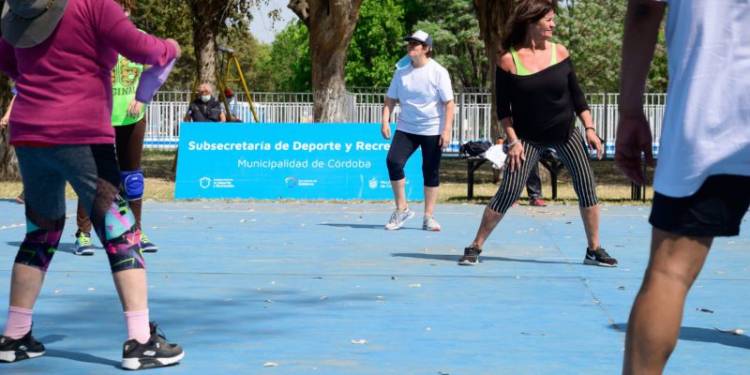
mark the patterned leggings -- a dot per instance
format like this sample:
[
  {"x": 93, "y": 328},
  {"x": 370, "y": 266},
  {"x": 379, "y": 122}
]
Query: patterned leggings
[
  {"x": 93, "y": 173},
  {"x": 573, "y": 156}
]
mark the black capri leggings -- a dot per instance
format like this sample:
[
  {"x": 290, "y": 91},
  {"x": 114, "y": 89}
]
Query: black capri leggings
[
  {"x": 574, "y": 158},
  {"x": 403, "y": 146}
]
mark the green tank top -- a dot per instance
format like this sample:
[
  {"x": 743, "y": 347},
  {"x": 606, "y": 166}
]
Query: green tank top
[
  {"x": 125, "y": 78},
  {"x": 521, "y": 70}
]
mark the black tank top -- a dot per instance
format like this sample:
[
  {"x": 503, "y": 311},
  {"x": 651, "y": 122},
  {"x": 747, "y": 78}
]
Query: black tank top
[{"x": 542, "y": 105}]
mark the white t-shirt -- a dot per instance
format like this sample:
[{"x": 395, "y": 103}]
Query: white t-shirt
[
  {"x": 707, "y": 119},
  {"x": 422, "y": 93}
]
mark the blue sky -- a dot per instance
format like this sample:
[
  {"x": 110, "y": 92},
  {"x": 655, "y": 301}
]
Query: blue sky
[{"x": 263, "y": 28}]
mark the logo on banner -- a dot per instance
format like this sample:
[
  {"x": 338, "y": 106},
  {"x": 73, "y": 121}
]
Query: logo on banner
[
  {"x": 205, "y": 182},
  {"x": 291, "y": 181},
  {"x": 373, "y": 183}
]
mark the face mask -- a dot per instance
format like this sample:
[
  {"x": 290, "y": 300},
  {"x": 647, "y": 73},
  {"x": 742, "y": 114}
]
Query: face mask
[
  {"x": 205, "y": 98},
  {"x": 404, "y": 63}
]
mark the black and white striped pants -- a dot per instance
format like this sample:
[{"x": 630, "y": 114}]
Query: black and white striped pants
[{"x": 573, "y": 156}]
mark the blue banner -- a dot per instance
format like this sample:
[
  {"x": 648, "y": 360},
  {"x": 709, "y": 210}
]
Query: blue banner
[{"x": 288, "y": 161}]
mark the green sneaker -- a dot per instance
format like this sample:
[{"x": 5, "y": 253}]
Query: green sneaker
[
  {"x": 146, "y": 245},
  {"x": 83, "y": 245}
]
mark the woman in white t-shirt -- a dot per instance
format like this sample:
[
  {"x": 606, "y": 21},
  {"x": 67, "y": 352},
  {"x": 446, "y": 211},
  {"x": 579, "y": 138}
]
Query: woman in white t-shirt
[{"x": 423, "y": 90}]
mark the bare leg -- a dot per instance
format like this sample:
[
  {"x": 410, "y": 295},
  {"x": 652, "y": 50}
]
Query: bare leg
[
  {"x": 132, "y": 288},
  {"x": 655, "y": 319},
  {"x": 83, "y": 220},
  {"x": 430, "y": 198},
  {"x": 399, "y": 193},
  {"x": 26, "y": 283},
  {"x": 590, "y": 217},
  {"x": 490, "y": 219}
]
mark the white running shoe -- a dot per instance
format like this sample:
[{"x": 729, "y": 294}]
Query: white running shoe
[
  {"x": 398, "y": 218},
  {"x": 430, "y": 224}
]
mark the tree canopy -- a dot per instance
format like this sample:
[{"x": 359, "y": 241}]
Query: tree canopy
[{"x": 592, "y": 30}]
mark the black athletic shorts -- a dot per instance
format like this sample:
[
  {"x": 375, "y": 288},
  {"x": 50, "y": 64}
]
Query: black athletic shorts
[{"x": 716, "y": 209}]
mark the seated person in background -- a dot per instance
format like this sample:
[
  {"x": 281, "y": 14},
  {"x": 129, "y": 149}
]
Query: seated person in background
[{"x": 205, "y": 108}]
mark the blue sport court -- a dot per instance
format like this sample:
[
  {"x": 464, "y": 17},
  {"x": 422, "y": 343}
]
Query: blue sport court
[{"x": 307, "y": 288}]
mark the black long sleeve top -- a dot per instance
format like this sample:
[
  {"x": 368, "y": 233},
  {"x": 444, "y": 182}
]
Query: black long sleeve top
[{"x": 542, "y": 105}]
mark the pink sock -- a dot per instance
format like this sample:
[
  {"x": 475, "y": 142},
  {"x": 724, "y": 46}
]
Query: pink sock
[
  {"x": 19, "y": 322},
  {"x": 138, "y": 328}
]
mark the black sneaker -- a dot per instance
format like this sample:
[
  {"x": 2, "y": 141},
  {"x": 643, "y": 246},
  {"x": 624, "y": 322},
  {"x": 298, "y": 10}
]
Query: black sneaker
[
  {"x": 26, "y": 347},
  {"x": 471, "y": 256},
  {"x": 599, "y": 257},
  {"x": 157, "y": 352}
]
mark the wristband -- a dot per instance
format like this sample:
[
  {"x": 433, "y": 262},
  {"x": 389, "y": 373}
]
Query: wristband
[{"x": 590, "y": 128}]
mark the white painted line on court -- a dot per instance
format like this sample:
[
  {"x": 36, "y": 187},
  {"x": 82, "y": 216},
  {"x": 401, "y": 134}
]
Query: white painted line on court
[{"x": 12, "y": 226}]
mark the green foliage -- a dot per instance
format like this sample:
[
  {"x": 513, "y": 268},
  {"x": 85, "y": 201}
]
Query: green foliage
[
  {"x": 286, "y": 65},
  {"x": 375, "y": 47},
  {"x": 592, "y": 30},
  {"x": 454, "y": 28},
  {"x": 170, "y": 19},
  {"x": 173, "y": 19},
  {"x": 455, "y": 31},
  {"x": 376, "y": 44}
]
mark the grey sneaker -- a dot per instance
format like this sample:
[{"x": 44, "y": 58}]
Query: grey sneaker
[
  {"x": 83, "y": 245},
  {"x": 398, "y": 218},
  {"x": 430, "y": 224}
]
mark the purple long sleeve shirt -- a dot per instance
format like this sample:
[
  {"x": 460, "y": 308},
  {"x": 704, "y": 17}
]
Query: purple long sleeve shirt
[{"x": 64, "y": 84}]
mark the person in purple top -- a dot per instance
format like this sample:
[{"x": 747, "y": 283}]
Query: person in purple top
[{"x": 60, "y": 54}]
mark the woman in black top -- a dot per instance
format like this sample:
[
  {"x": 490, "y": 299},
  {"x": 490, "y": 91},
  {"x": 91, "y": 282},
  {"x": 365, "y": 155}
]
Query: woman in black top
[{"x": 538, "y": 97}]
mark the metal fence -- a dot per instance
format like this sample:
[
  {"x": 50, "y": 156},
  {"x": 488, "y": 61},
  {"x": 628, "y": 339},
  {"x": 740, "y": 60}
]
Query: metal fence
[{"x": 472, "y": 120}]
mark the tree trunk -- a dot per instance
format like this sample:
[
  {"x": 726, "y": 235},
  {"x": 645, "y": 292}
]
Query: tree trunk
[
  {"x": 207, "y": 21},
  {"x": 204, "y": 42},
  {"x": 492, "y": 15},
  {"x": 331, "y": 25},
  {"x": 8, "y": 162}
]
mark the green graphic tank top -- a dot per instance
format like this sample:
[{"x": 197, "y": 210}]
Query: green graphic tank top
[{"x": 125, "y": 78}]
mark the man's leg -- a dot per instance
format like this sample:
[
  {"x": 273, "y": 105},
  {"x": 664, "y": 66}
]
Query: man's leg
[
  {"x": 655, "y": 319},
  {"x": 534, "y": 184}
]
